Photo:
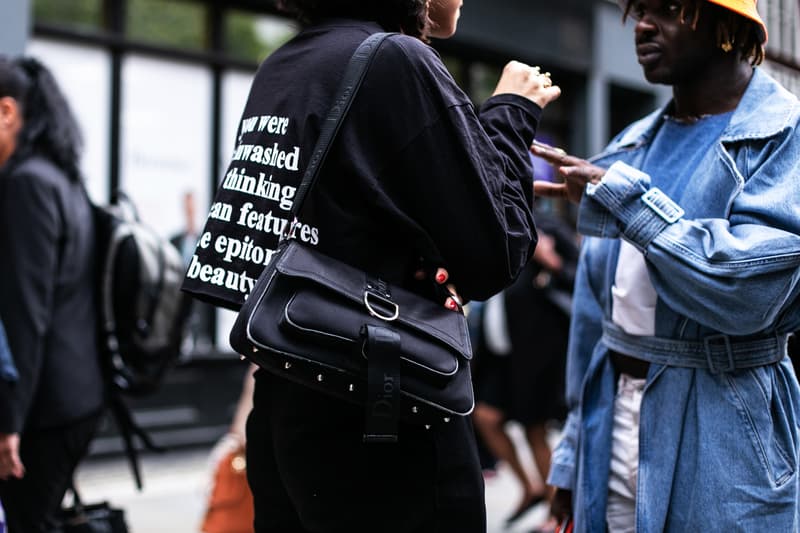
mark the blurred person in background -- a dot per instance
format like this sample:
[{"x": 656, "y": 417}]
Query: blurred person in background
[
  {"x": 47, "y": 298},
  {"x": 520, "y": 359},
  {"x": 685, "y": 408},
  {"x": 197, "y": 332}
]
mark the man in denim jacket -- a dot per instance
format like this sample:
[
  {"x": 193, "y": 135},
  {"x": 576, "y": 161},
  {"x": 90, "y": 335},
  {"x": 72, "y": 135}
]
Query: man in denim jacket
[{"x": 684, "y": 405}]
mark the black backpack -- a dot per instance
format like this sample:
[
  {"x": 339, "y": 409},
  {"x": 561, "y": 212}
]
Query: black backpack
[{"x": 142, "y": 311}]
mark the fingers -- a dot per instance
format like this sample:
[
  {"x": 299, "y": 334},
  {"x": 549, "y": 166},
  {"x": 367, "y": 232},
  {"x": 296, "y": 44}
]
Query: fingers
[
  {"x": 528, "y": 82},
  {"x": 10, "y": 464},
  {"x": 11, "y": 467},
  {"x": 548, "y": 94},
  {"x": 18, "y": 469},
  {"x": 453, "y": 300},
  {"x": 553, "y": 155},
  {"x": 547, "y": 189}
]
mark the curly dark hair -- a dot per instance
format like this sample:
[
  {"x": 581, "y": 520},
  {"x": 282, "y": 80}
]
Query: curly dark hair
[
  {"x": 407, "y": 16},
  {"x": 48, "y": 125},
  {"x": 744, "y": 34}
]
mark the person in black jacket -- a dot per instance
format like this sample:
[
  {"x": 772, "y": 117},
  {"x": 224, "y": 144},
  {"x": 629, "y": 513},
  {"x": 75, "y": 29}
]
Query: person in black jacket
[
  {"x": 415, "y": 172},
  {"x": 47, "y": 299}
]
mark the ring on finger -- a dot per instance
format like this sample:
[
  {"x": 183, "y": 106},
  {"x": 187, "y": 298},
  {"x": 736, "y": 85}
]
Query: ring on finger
[{"x": 457, "y": 299}]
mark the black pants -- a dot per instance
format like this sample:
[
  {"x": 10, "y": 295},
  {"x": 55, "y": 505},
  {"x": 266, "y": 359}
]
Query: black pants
[
  {"x": 50, "y": 457},
  {"x": 310, "y": 472}
]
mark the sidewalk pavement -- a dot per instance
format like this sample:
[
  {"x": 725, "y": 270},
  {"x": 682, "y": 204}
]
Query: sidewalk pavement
[{"x": 176, "y": 485}]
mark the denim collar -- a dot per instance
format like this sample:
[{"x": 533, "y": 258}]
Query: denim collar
[{"x": 766, "y": 109}]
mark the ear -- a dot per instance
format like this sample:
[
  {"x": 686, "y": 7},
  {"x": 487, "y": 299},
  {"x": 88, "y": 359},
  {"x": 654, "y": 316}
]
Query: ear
[{"x": 9, "y": 112}]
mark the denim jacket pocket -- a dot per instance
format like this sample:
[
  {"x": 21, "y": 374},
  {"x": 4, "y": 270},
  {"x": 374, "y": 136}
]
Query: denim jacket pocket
[{"x": 768, "y": 420}]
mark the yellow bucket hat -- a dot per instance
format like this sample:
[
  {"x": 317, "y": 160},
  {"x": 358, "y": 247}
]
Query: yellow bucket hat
[{"x": 747, "y": 9}]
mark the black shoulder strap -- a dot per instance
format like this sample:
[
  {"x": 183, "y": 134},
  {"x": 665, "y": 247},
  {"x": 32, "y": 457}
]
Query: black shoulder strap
[{"x": 353, "y": 77}]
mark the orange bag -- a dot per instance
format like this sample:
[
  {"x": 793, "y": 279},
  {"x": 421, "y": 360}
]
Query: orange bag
[{"x": 230, "y": 506}]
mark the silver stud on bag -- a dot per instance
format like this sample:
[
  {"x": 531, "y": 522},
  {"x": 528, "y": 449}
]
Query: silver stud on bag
[
  {"x": 351, "y": 388},
  {"x": 427, "y": 426},
  {"x": 255, "y": 350},
  {"x": 446, "y": 419},
  {"x": 414, "y": 410},
  {"x": 320, "y": 377},
  {"x": 242, "y": 358},
  {"x": 287, "y": 365}
]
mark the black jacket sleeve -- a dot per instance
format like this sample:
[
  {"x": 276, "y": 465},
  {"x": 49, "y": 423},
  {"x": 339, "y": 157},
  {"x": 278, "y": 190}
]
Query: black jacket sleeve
[
  {"x": 474, "y": 198},
  {"x": 30, "y": 231},
  {"x": 463, "y": 178}
]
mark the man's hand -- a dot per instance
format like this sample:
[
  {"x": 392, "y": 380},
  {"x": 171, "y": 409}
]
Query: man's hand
[
  {"x": 561, "y": 505},
  {"x": 575, "y": 171},
  {"x": 10, "y": 464},
  {"x": 546, "y": 254}
]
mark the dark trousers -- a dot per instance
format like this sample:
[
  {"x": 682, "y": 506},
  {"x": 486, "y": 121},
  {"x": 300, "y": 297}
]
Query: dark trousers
[
  {"x": 310, "y": 472},
  {"x": 50, "y": 457}
]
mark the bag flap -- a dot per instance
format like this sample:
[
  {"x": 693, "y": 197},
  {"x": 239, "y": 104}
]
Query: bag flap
[
  {"x": 415, "y": 312},
  {"x": 335, "y": 320}
]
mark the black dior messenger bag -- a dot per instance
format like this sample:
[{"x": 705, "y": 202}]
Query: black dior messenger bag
[{"x": 336, "y": 329}]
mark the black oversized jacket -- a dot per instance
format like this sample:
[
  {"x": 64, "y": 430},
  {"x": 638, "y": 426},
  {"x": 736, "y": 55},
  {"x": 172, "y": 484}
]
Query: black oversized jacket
[
  {"x": 414, "y": 171},
  {"x": 47, "y": 297}
]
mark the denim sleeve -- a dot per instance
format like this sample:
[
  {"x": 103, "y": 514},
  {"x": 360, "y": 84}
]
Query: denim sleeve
[
  {"x": 8, "y": 372},
  {"x": 562, "y": 466},
  {"x": 704, "y": 268},
  {"x": 585, "y": 333}
]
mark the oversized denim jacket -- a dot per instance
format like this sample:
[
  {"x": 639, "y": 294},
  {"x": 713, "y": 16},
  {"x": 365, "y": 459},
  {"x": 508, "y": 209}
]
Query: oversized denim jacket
[{"x": 718, "y": 439}]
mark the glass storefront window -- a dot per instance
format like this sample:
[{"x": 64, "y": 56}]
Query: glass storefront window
[
  {"x": 235, "y": 88},
  {"x": 166, "y": 140},
  {"x": 252, "y": 37},
  {"x": 83, "y": 73},
  {"x": 74, "y": 13},
  {"x": 180, "y": 24}
]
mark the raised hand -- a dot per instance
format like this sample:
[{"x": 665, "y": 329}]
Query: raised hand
[
  {"x": 575, "y": 172},
  {"x": 528, "y": 82}
]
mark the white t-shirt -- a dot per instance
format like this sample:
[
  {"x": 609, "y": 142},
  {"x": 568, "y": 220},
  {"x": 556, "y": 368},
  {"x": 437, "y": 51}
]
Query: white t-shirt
[{"x": 633, "y": 305}]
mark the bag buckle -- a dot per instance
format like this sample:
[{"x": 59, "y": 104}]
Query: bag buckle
[{"x": 377, "y": 312}]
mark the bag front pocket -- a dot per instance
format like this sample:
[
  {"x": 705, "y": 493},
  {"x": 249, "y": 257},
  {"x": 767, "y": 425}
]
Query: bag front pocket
[{"x": 319, "y": 315}]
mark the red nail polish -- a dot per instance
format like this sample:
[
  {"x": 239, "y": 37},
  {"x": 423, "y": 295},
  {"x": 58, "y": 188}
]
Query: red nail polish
[
  {"x": 452, "y": 305},
  {"x": 440, "y": 277}
]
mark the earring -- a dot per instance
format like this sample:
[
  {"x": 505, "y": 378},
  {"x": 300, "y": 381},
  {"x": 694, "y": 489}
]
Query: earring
[{"x": 726, "y": 46}]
